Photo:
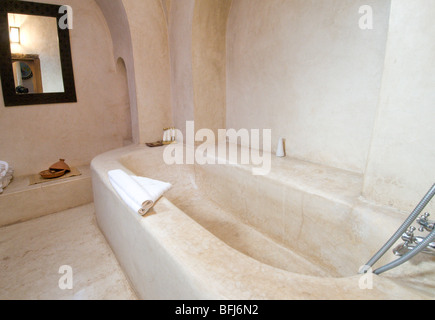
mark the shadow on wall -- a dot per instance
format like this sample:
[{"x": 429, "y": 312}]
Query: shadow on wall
[{"x": 125, "y": 111}]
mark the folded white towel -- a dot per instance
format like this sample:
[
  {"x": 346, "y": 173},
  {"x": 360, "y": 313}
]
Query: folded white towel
[
  {"x": 6, "y": 173},
  {"x": 139, "y": 193}
]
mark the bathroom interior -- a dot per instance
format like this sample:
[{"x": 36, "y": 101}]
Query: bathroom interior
[{"x": 350, "y": 91}]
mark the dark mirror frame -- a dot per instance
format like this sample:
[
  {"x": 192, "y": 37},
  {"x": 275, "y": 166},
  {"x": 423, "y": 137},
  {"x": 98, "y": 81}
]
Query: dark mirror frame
[{"x": 11, "y": 98}]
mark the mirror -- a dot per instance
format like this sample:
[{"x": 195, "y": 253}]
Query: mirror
[
  {"x": 27, "y": 76},
  {"x": 35, "y": 54}
]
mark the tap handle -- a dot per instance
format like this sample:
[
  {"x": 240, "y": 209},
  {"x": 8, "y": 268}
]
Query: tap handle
[
  {"x": 425, "y": 223},
  {"x": 408, "y": 236},
  {"x": 410, "y": 231}
]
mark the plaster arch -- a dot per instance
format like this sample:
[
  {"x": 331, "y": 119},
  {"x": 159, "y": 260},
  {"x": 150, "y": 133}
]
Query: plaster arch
[
  {"x": 140, "y": 38},
  {"x": 117, "y": 22}
]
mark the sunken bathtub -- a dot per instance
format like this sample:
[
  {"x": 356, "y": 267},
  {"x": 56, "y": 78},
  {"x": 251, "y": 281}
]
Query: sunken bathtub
[{"x": 220, "y": 232}]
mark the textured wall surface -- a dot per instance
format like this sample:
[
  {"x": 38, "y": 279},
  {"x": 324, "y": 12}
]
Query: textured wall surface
[
  {"x": 401, "y": 164},
  {"x": 149, "y": 36},
  {"x": 209, "y": 63},
  {"x": 197, "y": 41},
  {"x": 180, "y": 42},
  {"x": 307, "y": 71}
]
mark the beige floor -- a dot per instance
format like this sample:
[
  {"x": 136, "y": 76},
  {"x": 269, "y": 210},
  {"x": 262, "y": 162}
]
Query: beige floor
[{"x": 32, "y": 252}]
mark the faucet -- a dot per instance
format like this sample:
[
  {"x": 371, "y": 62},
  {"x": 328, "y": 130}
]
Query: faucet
[
  {"x": 411, "y": 241},
  {"x": 412, "y": 245}
]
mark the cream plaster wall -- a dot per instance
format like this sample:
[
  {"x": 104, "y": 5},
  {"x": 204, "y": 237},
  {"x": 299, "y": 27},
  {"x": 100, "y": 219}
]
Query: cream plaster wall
[
  {"x": 125, "y": 120},
  {"x": 180, "y": 42},
  {"x": 149, "y": 35},
  {"x": 34, "y": 137},
  {"x": 401, "y": 164},
  {"x": 307, "y": 71},
  {"x": 166, "y": 4},
  {"x": 209, "y": 63},
  {"x": 360, "y": 100},
  {"x": 197, "y": 41}
]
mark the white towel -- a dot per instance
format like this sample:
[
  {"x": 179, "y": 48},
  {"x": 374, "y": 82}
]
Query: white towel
[
  {"x": 6, "y": 175},
  {"x": 139, "y": 193}
]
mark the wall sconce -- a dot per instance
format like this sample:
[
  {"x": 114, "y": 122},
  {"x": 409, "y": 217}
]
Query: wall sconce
[{"x": 15, "y": 35}]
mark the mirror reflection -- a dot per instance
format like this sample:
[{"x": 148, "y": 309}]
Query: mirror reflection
[
  {"x": 27, "y": 78},
  {"x": 35, "y": 54}
]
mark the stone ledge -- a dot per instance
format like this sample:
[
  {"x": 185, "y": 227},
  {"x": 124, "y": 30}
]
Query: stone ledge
[{"x": 21, "y": 202}]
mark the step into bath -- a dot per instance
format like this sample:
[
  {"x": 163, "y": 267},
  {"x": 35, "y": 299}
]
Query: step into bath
[{"x": 21, "y": 201}]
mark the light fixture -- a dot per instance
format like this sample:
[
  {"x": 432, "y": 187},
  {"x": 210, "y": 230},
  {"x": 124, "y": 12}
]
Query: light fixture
[{"x": 15, "y": 34}]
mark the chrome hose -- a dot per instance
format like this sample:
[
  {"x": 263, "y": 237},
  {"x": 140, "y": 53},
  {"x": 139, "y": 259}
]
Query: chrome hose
[
  {"x": 423, "y": 203},
  {"x": 417, "y": 249}
]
